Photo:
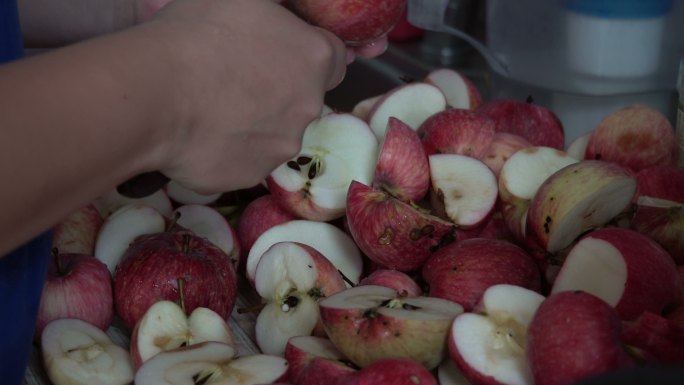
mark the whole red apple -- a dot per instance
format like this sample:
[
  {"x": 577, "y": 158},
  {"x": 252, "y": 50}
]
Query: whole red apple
[
  {"x": 462, "y": 271},
  {"x": 354, "y": 21},
  {"x": 395, "y": 371},
  {"x": 574, "y": 335},
  {"x": 77, "y": 286},
  {"x": 154, "y": 264},
  {"x": 536, "y": 123}
]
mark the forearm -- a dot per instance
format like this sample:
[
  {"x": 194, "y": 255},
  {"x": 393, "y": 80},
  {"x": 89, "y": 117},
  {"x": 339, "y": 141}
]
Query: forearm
[
  {"x": 75, "y": 122},
  {"x": 52, "y": 23}
]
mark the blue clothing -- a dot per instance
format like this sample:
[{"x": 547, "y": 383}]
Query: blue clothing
[{"x": 23, "y": 271}]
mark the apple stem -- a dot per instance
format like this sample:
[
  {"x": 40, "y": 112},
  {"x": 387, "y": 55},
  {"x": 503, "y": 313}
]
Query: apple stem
[
  {"x": 346, "y": 279},
  {"x": 58, "y": 264},
  {"x": 174, "y": 221},
  {"x": 529, "y": 99},
  {"x": 252, "y": 309},
  {"x": 186, "y": 243}
]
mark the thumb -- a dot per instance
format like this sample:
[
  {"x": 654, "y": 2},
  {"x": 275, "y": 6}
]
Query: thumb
[{"x": 339, "y": 61}]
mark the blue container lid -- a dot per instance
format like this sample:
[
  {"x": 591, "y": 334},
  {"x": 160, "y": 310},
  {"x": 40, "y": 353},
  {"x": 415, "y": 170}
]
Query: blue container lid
[{"x": 620, "y": 9}]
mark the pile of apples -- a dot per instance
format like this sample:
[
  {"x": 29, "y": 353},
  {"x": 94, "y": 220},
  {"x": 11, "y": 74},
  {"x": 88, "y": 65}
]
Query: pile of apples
[{"x": 425, "y": 237}]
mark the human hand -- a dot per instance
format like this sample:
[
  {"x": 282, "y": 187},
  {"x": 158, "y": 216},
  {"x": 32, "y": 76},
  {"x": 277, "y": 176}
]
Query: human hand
[{"x": 245, "y": 90}]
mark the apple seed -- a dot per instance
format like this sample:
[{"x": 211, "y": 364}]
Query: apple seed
[{"x": 294, "y": 165}]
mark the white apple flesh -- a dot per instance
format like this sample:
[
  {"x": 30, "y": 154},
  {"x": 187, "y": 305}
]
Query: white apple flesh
[
  {"x": 336, "y": 149},
  {"x": 502, "y": 146},
  {"x": 78, "y": 353},
  {"x": 488, "y": 346},
  {"x": 291, "y": 278},
  {"x": 122, "y": 227},
  {"x": 369, "y": 323},
  {"x": 411, "y": 103},
  {"x": 338, "y": 247},
  {"x": 166, "y": 326},
  {"x": 459, "y": 90},
  {"x": 465, "y": 186},
  {"x": 626, "y": 269},
  {"x": 577, "y": 198}
]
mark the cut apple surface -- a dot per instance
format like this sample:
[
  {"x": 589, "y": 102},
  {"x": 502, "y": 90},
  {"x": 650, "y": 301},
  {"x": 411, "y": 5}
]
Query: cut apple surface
[
  {"x": 460, "y": 92},
  {"x": 411, "y": 103},
  {"x": 336, "y": 149},
  {"x": 291, "y": 278},
  {"x": 369, "y": 323},
  {"x": 465, "y": 186},
  {"x": 302, "y": 351},
  {"x": 78, "y": 353},
  {"x": 577, "y": 198},
  {"x": 338, "y": 247},
  {"x": 208, "y": 223},
  {"x": 626, "y": 269},
  {"x": 165, "y": 326},
  {"x": 393, "y": 233},
  {"x": 488, "y": 346},
  {"x": 502, "y": 146},
  {"x": 210, "y": 363},
  {"x": 122, "y": 227}
]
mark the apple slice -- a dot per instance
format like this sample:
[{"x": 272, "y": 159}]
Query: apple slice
[
  {"x": 393, "y": 233},
  {"x": 122, "y": 227},
  {"x": 656, "y": 339},
  {"x": 184, "y": 196},
  {"x": 465, "y": 186},
  {"x": 626, "y": 269},
  {"x": 210, "y": 362},
  {"x": 460, "y": 92},
  {"x": 587, "y": 344},
  {"x": 489, "y": 346},
  {"x": 77, "y": 233},
  {"x": 578, "y": 147},
  {"x": 76, "y": 352},
  {"x": 502, "y": 146},
  {"x": 401, "y": 282},
  {"x": 208, "y": 223},
  {"x": 291, "y": 278},
  {"x": 636, "y": 137},
  {"x": 363, "y": 108},
  {"x": 462, "y": 271},
  {"x": 449, "y": 374},
  {"x": 402, "y": 166},
  {"x": 577, "y": 198},
  {"x": 112, "y": 201},
  {"x": 411, "y": 103},
  {"x": 395, "y": 371},
  {"x": 258, "y": 216},
  {"x": 368, "y": 323},
  {"x": 165, "y": 326},
  {"x": 338, "y": 247},
  {"x": 457, "y": 131},
  {"x": 336, "y": 149},
  {"x": 302, "y": 351}
]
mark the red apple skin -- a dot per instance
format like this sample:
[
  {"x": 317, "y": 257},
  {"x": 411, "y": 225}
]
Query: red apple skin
[
  {"x": 77, "y": 233},
  {"x": 539, "y": 125},
  {"x": 323, "y": 371},
  {"x": 655, "y": 338},
  {"x": 402, "y": 168},
  {"x": 457, "y": 131},
  {"x": 153, "y": 264},
  {"x": 390, "y": 232},
  {"x": 462, "y": 271},
  {"x": 300, "y": 203},
  {"x": 635, "y": 137},
  {"x": 653, "y": 281},
  {"x": 502, "y": 146},
  {"x": 574, "y": 335},
  {"x": 82, "y": 289},
  {"x": 664, "y": 224},
  {"x": 258, "y": 216},
  {"x": 354, "y": 21},
  {"x": 401, "y": 282},
  {"x": 395, "y": 371}
]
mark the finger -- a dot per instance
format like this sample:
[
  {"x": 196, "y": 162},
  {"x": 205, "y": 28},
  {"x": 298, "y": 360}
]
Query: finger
[
  {"x": 373, "y": 49},
  {"x": 338, "y": 64}
]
